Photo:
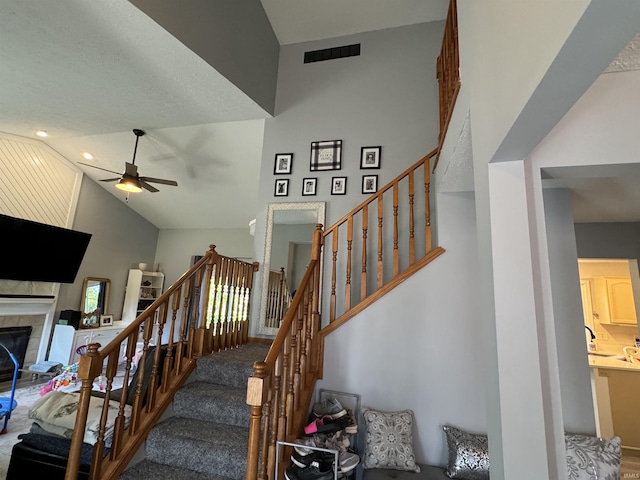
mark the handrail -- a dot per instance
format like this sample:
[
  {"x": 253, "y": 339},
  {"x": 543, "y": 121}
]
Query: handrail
[
  {"x": 358, "y": 267},
  {"x": 448, "y": 71},
  {"x": 205, "y": 310}
]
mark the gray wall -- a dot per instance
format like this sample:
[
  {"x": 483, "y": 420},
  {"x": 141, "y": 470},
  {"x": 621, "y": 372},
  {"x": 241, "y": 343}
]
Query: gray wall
[
  {"x": 120, "y": 240},
  {"x": 420, "y": 347},
  {"x": 575, "y": 380},
  {"x": 608, "y": 240},
  {"x": 235, "y": 37},
  {"x": 387, "y": 96},
  {"x": 176, "y": 247}
]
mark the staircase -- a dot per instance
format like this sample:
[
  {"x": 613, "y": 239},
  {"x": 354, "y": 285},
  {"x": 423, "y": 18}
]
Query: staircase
[{"x": 207, "y": 436}]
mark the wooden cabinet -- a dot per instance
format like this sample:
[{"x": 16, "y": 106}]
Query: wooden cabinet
[
  {"x": 614, "y": 301},
  {"x": 143, "y": 288}
]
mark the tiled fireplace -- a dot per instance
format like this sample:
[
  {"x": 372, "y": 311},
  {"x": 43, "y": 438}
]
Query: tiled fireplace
[{"x": 12, "y": 332}]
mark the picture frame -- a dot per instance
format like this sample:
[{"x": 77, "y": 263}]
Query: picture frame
[
  {"x": 90, "y": 320},
  {"x": 106, "y": 320},
  {"x": 309, "y": 186},
  {"x": 281, "y": 187},
  {"x": 282, "y": 163},
  {"x": 326, "y": 155},
  {"x": 338, "y": 185},
  {"x": 369, "y": 184},
  {"x": 370, "y": 157}
]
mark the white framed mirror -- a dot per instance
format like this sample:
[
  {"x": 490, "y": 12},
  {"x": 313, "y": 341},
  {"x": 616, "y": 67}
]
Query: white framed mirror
[{"x": 287, "y": 251}]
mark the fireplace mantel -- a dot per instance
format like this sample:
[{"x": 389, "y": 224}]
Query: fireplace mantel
[{"x": 26, "y": 305}]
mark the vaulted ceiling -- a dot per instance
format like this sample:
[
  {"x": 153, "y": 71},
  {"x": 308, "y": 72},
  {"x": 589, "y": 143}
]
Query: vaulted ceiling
[{"x": 90, "y": 72}]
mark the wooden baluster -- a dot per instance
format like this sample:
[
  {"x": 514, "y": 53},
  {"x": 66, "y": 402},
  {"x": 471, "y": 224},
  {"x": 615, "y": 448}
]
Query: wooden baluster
[
  {"x": 277, "y": 412},
  {"x": 412, "y": 236},
  {"x": 119, "y": 425},
  {"x": 363, "y": 275},
  {"x": 224, "y": 308},
  {"x": 427, "y": 206},
  {"x": 168, "y": 360},
  {"x": 334, "y": 249},
  {"x": 316, "y": 251},
  {"x": 99, "y": 446},
  {"x": 256, "y": 386},
  {"x": 396, "y": 253},
  {"x": 293, "y": 368},
  {"x": 89, "y": 367},
  {"x": 380, "y": 272},
  {"x": 264, "y": 462},
  {"x": 347, "y": 287},
  {"x": 137, "y": 398}
]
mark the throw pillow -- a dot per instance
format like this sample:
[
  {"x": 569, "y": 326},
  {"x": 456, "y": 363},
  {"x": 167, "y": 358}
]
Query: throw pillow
[
  {"x": 389, "y": 440},
  {"x": 468, "y": 454},
  {"x": 592, "y": 458}
]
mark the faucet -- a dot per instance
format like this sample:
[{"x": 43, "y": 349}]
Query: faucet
[{"x": 593, "y": 336}]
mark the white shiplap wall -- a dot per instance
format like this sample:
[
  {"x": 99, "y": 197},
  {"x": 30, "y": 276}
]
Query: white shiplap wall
[{"x": 37, "y": 183}]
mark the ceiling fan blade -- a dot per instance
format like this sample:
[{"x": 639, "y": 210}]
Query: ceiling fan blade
[
  {"x": 146, "y": 186},
  {"x": 111, "y": 179},
  {"x": 99, "y": 168},
  {"x": 131, "y": 169},
  {"x": 160, "y": 180}
]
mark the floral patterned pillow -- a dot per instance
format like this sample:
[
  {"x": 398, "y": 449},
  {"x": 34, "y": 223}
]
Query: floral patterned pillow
[
  {"x": 468, "y": 454},
  {"x": 592, "y": 458},
  {"x": 389, "y": 440}
]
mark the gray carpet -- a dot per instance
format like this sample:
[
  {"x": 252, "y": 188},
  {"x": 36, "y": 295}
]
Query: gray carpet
[{"x": 207, "y": 437}]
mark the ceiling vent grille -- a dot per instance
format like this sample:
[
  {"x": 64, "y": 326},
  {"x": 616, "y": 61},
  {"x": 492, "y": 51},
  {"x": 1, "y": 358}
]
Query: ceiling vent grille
[{"x": 332, "y": 53}]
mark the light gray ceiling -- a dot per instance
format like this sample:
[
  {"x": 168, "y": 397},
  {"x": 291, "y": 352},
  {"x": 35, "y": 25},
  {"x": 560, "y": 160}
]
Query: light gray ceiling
[{"x": 90, "y": 72}]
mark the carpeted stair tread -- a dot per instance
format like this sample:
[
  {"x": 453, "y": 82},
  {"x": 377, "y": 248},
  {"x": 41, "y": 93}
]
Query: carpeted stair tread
[
  {"x": 147, "y": 470},
  {"x": 215, "y": 403},
  {"x": 207, "y": 447},
  {"x": 231, "y": 367}
]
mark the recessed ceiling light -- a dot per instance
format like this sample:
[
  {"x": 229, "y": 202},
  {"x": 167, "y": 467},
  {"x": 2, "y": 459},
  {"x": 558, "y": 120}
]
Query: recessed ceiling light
[
  {"x": 87, "y": 155},
  {"x": 42, "y": 133}
]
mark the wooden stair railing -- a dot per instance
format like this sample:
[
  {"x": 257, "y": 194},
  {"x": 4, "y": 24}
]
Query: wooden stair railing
[
  {"x": 205, "y": 310},
  {"x": 379, "y": 244},
  {"x": 278, "y": 298},
  {"x": 355, "y": 272},
  {"x": 448, "y": 71},
  {"x": 280, "y": 390}
]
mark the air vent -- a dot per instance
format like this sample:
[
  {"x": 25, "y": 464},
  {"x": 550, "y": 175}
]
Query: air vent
[{"x": 332, "y": 53}]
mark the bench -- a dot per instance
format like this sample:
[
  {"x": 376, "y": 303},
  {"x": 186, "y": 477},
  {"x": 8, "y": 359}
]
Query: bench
[{"x": 427, "y": 472}]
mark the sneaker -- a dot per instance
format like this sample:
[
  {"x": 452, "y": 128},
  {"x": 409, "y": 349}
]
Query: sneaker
[
  {"x": 329, "y": 407},
  {"x": 317, "y": 440},
  {"x": 347, "y": 461},
  {"x": 351, "y": 425},
  {"x": 324, "y": 459},
  {"x": 312, "y": 472}
]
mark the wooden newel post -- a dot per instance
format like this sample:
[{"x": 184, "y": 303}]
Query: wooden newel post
[
  {"x": 88, "y": 369},
  {"x": 316, "y": 244},
  {"x": 256, "y": 395}
]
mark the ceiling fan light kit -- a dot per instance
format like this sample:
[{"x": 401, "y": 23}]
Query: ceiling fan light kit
[{"x": 130, "y": 181}]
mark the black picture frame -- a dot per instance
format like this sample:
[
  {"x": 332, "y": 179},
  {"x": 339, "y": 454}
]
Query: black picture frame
[
  {"x": 309, "y": 186},
  {"x": 282, "y": 163},
  {"x": 369, "y": 184},
  {"x": 370, "y": 157},
  {"x": 326, "y": 155},
  {"x": 338, "y": 185},
  {"x": 281, "y": 187}
]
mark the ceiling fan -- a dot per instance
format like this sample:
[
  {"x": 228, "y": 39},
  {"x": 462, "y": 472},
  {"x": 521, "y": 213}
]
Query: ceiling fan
[{"x": 130, "y": 180}]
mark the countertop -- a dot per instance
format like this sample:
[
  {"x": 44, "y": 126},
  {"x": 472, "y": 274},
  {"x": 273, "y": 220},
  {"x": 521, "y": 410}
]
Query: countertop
[{"x": 614, "y": 361}]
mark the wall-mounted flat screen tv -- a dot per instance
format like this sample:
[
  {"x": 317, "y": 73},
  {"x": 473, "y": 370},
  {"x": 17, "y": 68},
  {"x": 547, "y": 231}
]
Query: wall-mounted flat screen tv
[{"x": 32, "y": 251}]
